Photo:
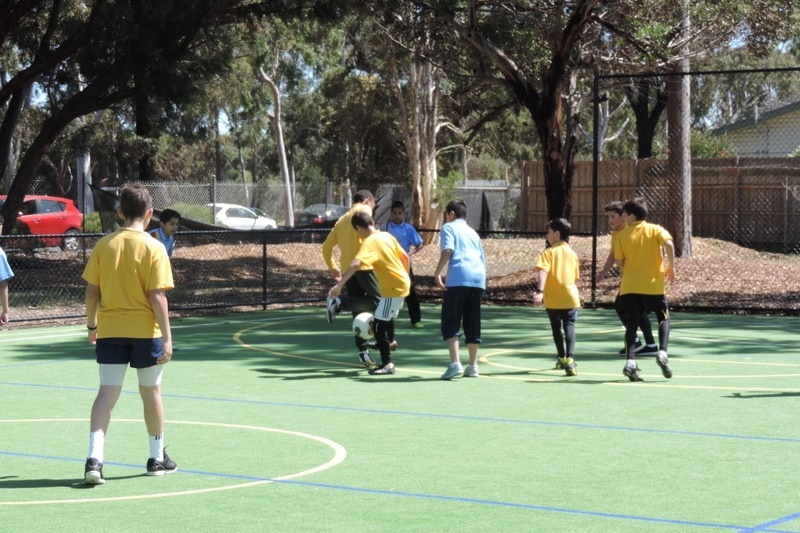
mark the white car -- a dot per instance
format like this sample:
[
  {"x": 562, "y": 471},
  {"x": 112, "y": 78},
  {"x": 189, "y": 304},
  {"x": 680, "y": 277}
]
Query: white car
[{"x": 240, "y": 217}]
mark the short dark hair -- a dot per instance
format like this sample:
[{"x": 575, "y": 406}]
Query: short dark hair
[
  {"x": 562, "y": 226},
  {"x": 361, "y": 219},
  {"x": 636, "y": 207},
  {"x": 134, "y": 201},
  {"x": 398, "y": 203},
  {"x": 615, "y": 206},
  {"x": 458, "y": 207},
  {"x": 168, "y": 214},
  {"x": 362, "y": 195}
]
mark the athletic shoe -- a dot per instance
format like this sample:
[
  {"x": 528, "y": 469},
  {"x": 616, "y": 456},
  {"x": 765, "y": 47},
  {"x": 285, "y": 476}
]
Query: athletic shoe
[
  {"x": 471, "y": 371},
  {"x": 93, "y": 473},
  {"x": 365, "y": 359},
  {"x": 332, "y": 308},
  {"x": 418, "y": 325},
  {"x": 568, "y": 364},
  {"x": 454, "y": 370},
  {"x": 647, "y": 349},
  {"x": 559, "y": 364},
  {"x": 663, "y": 363},
  {"x": 632, "y": 372},
  {"x": 159, "y": 468},
  {"x": 623, "y": 352},
  {"x": 383, "y": 369},
  {"x": 393, "y": 345}
]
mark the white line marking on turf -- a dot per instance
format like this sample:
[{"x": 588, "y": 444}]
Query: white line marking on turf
[{"x": 340, "y": 453}]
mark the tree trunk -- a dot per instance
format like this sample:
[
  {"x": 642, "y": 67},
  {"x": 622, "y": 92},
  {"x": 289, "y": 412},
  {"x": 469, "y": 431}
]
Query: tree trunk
[
  {"x": 276, "y": 124},
  {"x": 679, "y": 164},
  {"x": 638, "y": 94}
]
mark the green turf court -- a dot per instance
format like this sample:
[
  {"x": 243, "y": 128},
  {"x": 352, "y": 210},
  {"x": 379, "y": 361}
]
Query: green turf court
[{"x": 275, "y": 427}]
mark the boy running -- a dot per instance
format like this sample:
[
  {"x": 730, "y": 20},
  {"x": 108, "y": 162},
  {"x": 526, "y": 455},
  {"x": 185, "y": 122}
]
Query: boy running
[
  {"x": 616, "y": 219},
  {"x": 558, "y": 268},
  {"x": 637, "y": 251}
]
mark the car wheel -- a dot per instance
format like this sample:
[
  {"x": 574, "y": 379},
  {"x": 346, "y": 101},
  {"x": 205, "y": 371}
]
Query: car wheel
[{"x": 70, "y": 241}]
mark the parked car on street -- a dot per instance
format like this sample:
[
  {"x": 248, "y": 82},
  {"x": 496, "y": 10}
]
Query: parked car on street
[
  {"x": 319, "y": 216},
  {"x": 49, "y": 215},
  {"x": 240, "y": 217}
]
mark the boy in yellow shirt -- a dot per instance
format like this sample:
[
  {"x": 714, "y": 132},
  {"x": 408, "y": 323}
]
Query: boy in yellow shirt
[
  {"x": 129, "y": 326},
  {"x": 381, "y": 252},
  {"x": 558, "y": 269},
  {"x": 638, "y": 254}
]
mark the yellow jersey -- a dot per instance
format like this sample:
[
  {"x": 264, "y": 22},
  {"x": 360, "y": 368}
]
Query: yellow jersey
[
  {"x": 563, "y": 269},
  {"x": 127, "y": 265},
  {"x": 382, "y": 253},
  {"x": 345, "y": 237},
  {"x": 639, "y": 246}
]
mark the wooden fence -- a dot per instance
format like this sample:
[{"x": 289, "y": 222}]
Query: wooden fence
[{"x": 754, "y": 202}]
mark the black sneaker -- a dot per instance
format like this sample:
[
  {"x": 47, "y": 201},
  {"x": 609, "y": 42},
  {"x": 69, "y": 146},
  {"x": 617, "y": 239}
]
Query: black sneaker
[
  {"x": 383, "y": 369},
  {"x": 93, "y": 473},
  {"x": 559, "y": 364},
  {"x": 159, "y": 468},
  {"x": 638, "y": 347},
  {"x": 632, "y": 372},
  {"x": 568, "y": 364}
]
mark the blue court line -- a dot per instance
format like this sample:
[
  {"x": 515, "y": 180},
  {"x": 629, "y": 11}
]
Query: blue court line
[
  {"x": 768, "y": 525},
  {"x": 469, "y": 418},
  {"x": 439, "y": 497}
]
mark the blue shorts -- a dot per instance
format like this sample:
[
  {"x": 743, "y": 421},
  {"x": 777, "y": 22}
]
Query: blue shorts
[{"x": 139, "y": 353}]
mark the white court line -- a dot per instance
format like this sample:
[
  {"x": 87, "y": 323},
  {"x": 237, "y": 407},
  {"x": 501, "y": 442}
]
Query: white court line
[{"x": 340, "y": 453}]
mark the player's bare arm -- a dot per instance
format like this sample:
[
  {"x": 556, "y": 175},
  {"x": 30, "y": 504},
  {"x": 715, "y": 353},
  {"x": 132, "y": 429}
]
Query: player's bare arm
[
  {"x": 336, "y": 290},
  {"x": 444, "y": 258},
  {"x": 669, "y": 261}
]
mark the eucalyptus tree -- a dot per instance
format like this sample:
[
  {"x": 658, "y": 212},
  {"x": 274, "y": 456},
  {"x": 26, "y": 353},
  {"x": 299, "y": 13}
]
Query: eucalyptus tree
[
  {"x": 150, "y": 54},
  {"x": 528, "y": 50}
]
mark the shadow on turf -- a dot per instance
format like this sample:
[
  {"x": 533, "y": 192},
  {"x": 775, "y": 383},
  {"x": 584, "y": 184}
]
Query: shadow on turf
[
  {"x": 756, "y": 395},
  {"x": 13, "y": 482}
]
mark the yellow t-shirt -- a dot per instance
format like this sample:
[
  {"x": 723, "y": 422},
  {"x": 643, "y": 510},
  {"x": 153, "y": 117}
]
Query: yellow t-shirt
[
  {"x": 345, "y": 237},
  {"x": 563, "y": 269},
  {"x": 126, "y": 265},
  {"x": 639, "y": 246},
  {"x": 382, "y": 253}
]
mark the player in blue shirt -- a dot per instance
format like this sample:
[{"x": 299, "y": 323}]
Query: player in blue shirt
[
  {"x": 412, "y": 243},
  {"x": 462, "y": 254},
  {"x": 170, "y": 220}
]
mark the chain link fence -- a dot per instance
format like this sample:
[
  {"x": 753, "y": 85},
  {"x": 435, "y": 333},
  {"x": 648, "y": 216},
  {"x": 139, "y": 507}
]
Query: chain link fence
[{"x": 743, "y": 215}]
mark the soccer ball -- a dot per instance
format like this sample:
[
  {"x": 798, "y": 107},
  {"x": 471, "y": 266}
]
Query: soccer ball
[{"x": 362, "y": 326}]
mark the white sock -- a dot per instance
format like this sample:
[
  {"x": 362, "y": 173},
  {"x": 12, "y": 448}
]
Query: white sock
[
  {"x": 157, "y": 447},
  {"x": 97, "y": 442}
]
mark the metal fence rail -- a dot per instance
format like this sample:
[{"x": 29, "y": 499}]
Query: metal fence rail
[{"x": 254, "y": 270}]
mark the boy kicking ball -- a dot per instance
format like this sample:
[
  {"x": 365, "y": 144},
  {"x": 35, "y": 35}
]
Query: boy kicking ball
[{"x": 390, "y": 263}]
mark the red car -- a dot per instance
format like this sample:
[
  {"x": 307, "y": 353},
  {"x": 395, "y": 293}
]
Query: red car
[{"x": 50, "y": 215}]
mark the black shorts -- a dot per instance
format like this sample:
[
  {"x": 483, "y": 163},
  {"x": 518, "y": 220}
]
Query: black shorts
[
  {"x": 139, "y": 353},
  {"x": 462, "y": 304}
]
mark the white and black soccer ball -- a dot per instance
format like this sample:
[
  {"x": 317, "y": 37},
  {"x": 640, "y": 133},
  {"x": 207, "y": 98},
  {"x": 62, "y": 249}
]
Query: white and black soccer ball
[{"x": 362, "y": 326}]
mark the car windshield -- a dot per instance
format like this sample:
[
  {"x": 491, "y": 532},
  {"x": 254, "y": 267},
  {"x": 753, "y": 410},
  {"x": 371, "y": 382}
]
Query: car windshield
[{"x": 318, "y": 209}]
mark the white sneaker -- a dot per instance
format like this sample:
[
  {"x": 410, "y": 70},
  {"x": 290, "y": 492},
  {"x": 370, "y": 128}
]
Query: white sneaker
[
  {"x": 663, "y": 364},
  {"x": 365, "y": 359},
  {"x": 471, "y": 371},
  {"x": 332, "y": 308},
  {"x": 454, "y": 370}
]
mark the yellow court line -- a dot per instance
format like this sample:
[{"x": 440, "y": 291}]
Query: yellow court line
[{"x": 340, "y": 453}]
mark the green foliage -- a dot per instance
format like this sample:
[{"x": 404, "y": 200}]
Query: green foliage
[
  {"x": 446, "y": 187},
  {"x": 92, "y": 224},
  {"x": 708, "y": 146},
  {"x": 200, "y": 213},
  {"x": 795, "y": 153}
]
